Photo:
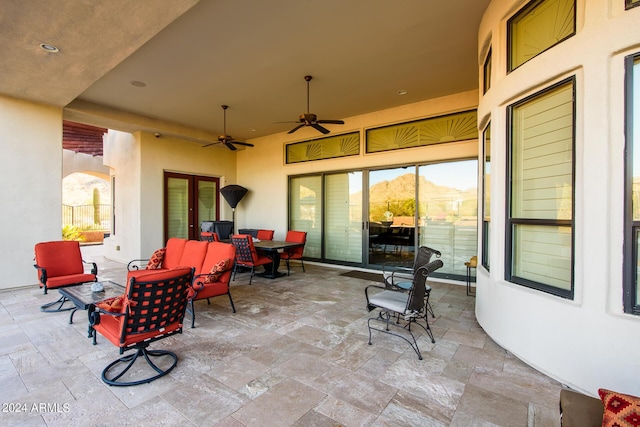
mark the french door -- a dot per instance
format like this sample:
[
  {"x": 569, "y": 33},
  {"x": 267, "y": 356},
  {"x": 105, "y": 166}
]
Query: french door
[{"x": 189, "y": 200}]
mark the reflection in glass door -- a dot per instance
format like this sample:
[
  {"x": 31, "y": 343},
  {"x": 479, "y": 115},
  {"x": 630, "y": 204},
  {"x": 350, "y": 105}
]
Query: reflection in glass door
[
  {"x": 392, "y": 204},
  {"x": 448, "y": 212}
]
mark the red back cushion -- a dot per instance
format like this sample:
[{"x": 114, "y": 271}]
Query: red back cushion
[
  {"x": 173, "y": 255},
  {"x": 264, "y": 235},
  {"x": 59, "y": 258},
  {"x": 194, "y": 253},
  {"x": 216, "y": 252}
]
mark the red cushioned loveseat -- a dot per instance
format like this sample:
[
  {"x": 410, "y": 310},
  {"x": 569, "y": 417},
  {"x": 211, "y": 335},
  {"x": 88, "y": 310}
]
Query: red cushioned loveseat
[{"x": 213, "y": 263}]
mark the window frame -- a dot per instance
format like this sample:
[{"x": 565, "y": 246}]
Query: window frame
[
  {"x": 486, "y": 72},
  {"x": 532, "y": 5},
  {"x": 484, "y": 219},
  {"x": 632, "y": 228},
  {"x": 510, "y": 222},
  {"x": 629, "y": 4}
]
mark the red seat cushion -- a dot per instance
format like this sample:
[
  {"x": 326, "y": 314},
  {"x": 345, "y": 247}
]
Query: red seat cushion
[{"x": 72, "y": 279}]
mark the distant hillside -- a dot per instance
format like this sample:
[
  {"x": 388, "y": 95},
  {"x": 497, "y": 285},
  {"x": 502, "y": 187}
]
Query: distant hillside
[
  {"x": 77, "y": 189},
  {"x": 399, "y": 195}
]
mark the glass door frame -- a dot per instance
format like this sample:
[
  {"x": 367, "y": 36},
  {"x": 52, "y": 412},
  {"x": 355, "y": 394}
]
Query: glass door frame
[{"x": 192, "y": 205}]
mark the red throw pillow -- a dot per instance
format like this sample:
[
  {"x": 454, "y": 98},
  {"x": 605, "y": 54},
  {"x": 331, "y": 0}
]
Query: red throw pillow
[
  {"x": 113, "y": 305},
  {"x": 217, "y": 270},
  {"x": 155, "y": 262},
  {"x": 620, "y": 410}
]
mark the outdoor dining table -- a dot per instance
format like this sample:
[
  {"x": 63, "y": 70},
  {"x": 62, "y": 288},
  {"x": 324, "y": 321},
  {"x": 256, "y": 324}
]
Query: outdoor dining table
[{"x": 271, "y": 248}]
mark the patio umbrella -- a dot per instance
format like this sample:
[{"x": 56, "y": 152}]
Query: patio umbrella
[{"x": 233, "y": 194}]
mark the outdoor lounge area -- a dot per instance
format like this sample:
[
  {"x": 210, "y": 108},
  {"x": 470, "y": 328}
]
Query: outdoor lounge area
[
  {"x": 503, "y": 133},
  {"x": 294, "y": 354}
]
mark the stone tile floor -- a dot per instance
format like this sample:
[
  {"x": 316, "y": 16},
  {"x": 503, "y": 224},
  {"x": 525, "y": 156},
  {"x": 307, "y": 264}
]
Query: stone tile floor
[{"x": 294, "y": 354}]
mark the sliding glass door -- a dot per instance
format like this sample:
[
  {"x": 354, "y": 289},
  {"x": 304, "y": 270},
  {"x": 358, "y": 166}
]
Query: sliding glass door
[
  {"x": 400, "y": 209},
  {"x": 448, "y": 212},
  {"x": 391, "y": 213},
  {"x": 343, "y": 217}
]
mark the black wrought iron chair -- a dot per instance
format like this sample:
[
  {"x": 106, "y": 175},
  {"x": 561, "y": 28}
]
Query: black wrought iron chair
[
  {"x": 153, "y": 308},
  {"x": 400, "y": 278},
  {"x": 246, "y": 255},
  {"x": 399, "y": 309}
]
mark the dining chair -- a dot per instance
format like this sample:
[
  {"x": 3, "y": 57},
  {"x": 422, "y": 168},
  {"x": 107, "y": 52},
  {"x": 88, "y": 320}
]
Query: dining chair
[
  {"x": 246, "y": 255},
  {"x": 264, "y": 235},
  {"x": 294, "y": 253}
]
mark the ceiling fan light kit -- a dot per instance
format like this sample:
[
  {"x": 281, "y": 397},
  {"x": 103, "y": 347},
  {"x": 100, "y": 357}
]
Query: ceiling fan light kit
[
  {"x": 310, "y": 119},
  {"x": 225, "y": 139}
]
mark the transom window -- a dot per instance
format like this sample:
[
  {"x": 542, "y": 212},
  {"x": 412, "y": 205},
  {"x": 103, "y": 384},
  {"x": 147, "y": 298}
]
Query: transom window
[{"x": 540, "y": 25}]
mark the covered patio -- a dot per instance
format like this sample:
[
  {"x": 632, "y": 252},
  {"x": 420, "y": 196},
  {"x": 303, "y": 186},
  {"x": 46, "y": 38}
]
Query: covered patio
[{"x": 294, "y": 354}]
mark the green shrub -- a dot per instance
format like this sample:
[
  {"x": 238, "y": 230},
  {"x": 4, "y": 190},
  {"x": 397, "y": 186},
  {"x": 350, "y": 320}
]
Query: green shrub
[{"x": 71, "y": 232}]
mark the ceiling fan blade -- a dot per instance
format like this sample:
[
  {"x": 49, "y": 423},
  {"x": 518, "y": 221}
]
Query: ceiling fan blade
[
  {"x": 230, "y": 146},
  {"x": 335, "y": 122},
  {"x": 320, "y": 128},
  {"x": 296, "y": 128},
  {"x": 209, "y": 145},
  {"x": 246, "y": 144}
]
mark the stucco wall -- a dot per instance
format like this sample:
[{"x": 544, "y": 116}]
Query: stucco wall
[
  {"x": 587, "y": 342},
  {"x": 31, "y": 185},
  {"x": 138, "y": 162}
]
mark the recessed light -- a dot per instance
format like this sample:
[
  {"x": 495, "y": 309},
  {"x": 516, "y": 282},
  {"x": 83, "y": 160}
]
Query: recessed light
[
  {"x": 137, "y": 83},
  {"x": 402, "y": 92},
  {"x": 49, "y": 47}
]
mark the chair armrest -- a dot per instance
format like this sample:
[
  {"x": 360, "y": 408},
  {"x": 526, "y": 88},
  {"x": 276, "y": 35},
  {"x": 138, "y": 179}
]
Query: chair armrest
[
  {"x": 135, "y": 264},
  {"x": 42, "y": 273},
  {"x": 366, "y": 294},
  {"x": 94, "y": 266},
  {"x": 390, "y": 278}
]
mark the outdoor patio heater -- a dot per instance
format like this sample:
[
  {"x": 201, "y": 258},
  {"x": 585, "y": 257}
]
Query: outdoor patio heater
[{"x": 233, "y": 194}]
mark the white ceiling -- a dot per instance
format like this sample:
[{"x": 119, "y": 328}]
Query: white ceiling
[{"x": 252, "y": 55}]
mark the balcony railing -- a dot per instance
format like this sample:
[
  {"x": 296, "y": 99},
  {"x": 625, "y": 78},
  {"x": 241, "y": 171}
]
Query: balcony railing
[{"x": 87, "y": 217}]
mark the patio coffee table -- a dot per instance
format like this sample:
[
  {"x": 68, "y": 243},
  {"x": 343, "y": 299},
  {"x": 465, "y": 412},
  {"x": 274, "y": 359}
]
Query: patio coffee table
[{"x": 82, "y": 297}]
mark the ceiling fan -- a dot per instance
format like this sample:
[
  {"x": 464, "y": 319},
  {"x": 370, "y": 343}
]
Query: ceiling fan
[
  {"x": 310, "y": 119},
  {"x": 225, "y": 139}
]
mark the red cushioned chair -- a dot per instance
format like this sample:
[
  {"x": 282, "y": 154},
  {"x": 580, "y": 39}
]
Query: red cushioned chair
[
  {"x": 60, "y": 264},
  {"x": 213, "y": 281},
  {"x": 264, "y": 235},
  {"x": 246, "y": 255},
  {"x": 153, "y": 308},
  {"x": 294, "y": 253}
]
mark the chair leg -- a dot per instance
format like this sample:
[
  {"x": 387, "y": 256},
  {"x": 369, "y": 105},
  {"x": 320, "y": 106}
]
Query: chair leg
[
  {"x": 385, "y": 317},
  {"x": 251, "y": 276},
  {"x": 233, "y": 307},
  {"x": 288, "y": 266},
  {"x": 130, "y": 359},
  {"x": 302, "y": 262},
  {"x": 59, "y": 302},
  {"x": 192, "y": 310}
]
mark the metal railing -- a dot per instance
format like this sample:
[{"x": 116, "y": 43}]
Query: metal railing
[{"x": 87, "y": 216}]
